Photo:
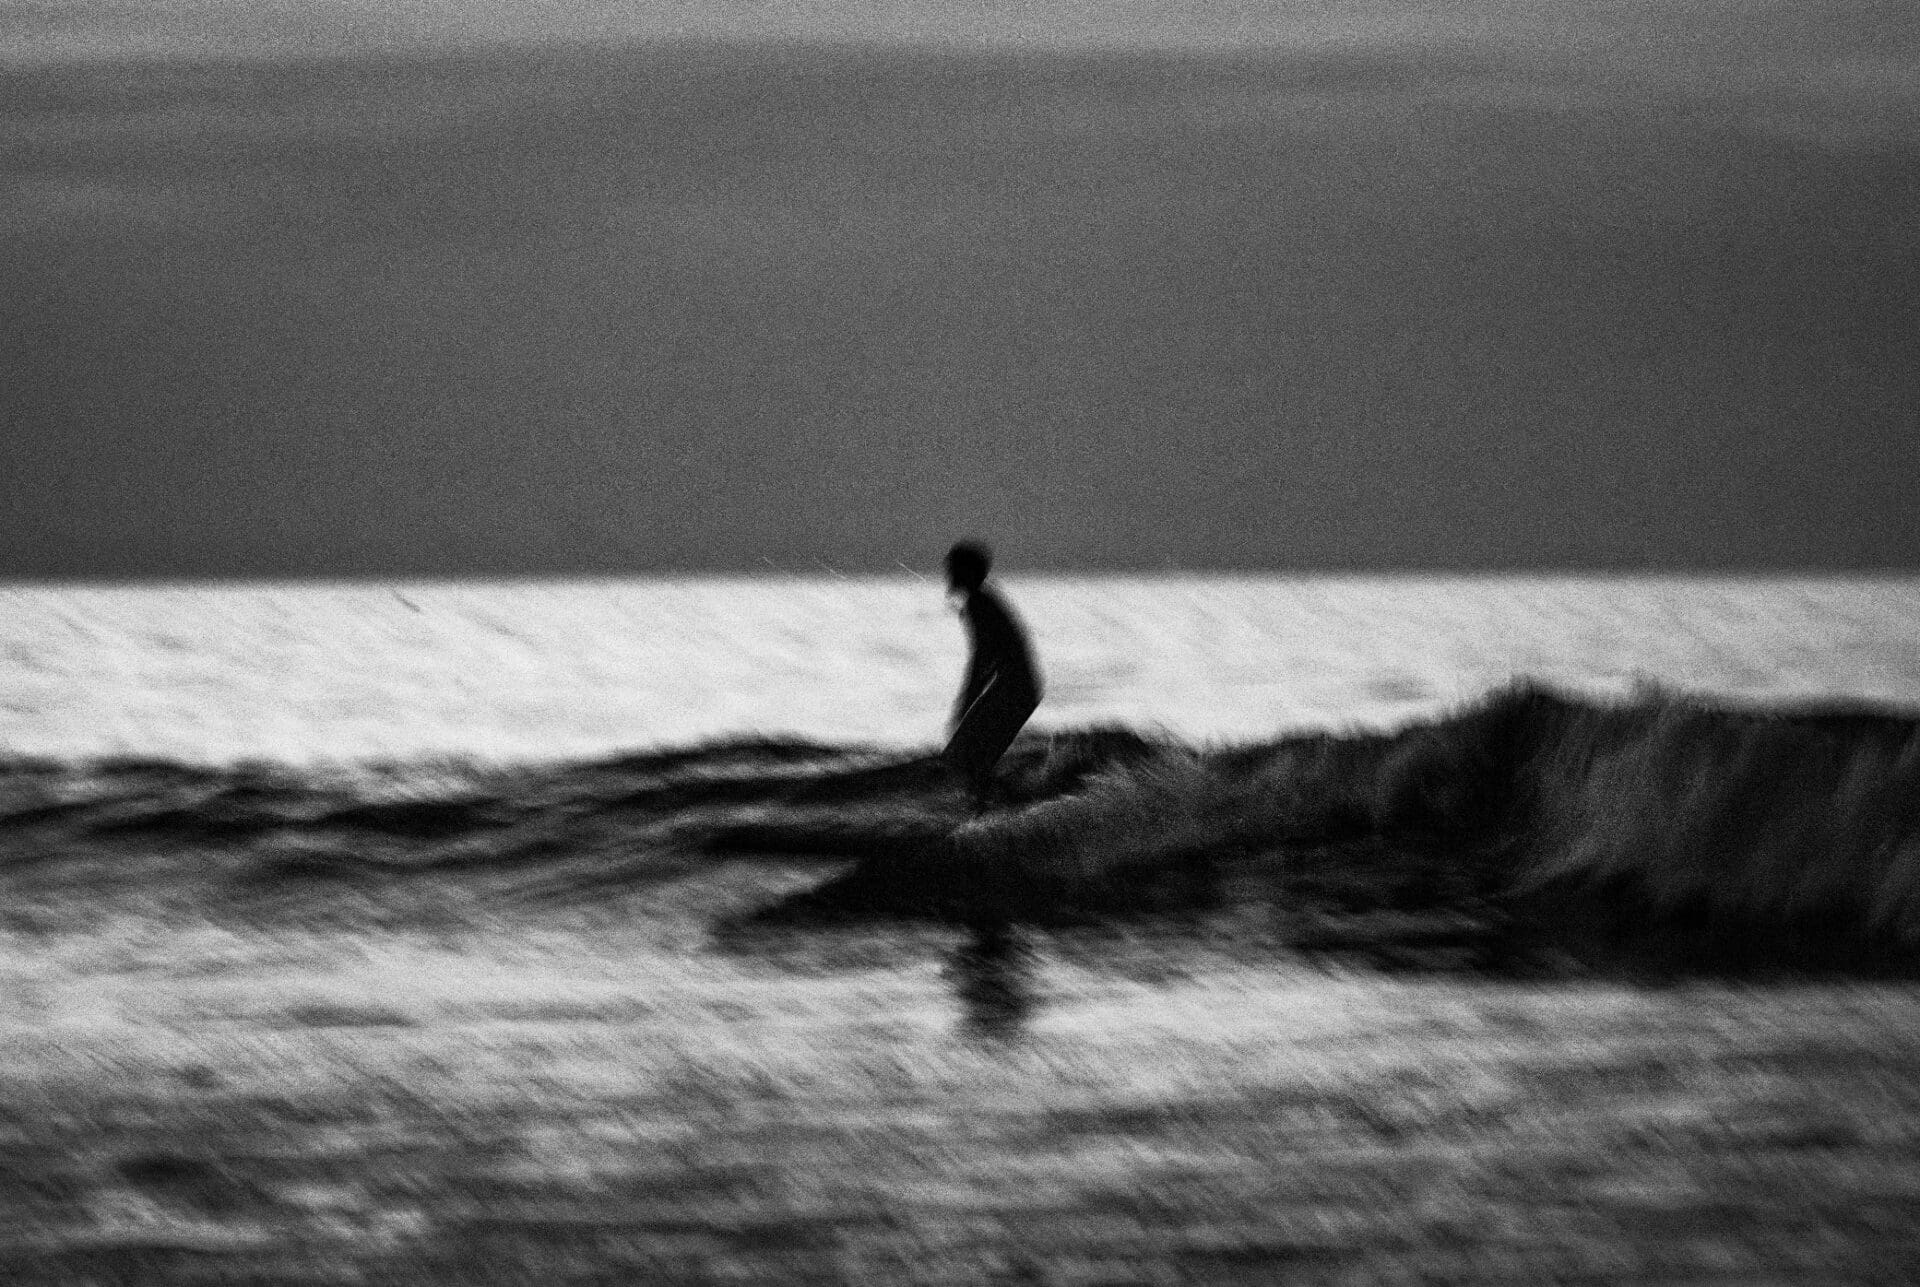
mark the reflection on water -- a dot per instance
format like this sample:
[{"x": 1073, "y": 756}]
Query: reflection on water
[
  {"x": 992, "y": 976},
  {"x": 557, "y": 669}
]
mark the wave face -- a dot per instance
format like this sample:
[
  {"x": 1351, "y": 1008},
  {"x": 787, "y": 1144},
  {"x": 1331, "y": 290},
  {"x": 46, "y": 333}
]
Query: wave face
[
  {"x": 1755, "y": 817},
  {"x": 1668, "y": 809}
]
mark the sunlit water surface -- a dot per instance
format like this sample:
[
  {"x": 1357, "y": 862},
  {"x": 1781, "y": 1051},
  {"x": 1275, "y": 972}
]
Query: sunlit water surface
[{"x": 544, "y": 669}]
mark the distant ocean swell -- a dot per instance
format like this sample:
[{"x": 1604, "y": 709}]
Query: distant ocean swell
[{"x": 1530, "y": 817}]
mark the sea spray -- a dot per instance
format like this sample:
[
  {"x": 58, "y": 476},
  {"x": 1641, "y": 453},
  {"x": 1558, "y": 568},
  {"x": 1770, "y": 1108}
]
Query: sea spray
[{"x": 1754, "y": 818}]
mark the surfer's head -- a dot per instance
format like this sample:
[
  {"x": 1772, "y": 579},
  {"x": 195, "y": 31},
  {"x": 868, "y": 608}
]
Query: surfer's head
[{"x": 967, "y": 565}]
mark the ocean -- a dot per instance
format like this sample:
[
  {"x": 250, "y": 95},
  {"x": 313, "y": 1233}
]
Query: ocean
[
  {"x": 634, "y": 941},
  {"x": 513, "y": 672}
]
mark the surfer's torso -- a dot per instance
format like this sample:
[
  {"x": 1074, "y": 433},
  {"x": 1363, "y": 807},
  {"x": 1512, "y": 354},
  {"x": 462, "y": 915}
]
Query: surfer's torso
[{"x": 1000, "y": 655}]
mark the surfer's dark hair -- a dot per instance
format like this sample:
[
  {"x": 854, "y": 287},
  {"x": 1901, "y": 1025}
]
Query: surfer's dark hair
[{"x": 967, "y": 564}]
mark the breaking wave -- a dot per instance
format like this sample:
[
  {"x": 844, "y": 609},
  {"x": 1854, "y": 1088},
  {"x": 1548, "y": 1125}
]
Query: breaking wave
[{"x": 1530, "y": 818}]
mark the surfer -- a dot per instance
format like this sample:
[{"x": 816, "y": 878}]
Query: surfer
[{"x": 1002, "y": 687}]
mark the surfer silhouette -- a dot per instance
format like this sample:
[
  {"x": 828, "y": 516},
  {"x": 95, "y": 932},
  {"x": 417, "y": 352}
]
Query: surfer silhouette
[{"x": 1002, "y": 687}]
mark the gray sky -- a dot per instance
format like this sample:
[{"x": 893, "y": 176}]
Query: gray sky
[{"x": 433, "y": 288}]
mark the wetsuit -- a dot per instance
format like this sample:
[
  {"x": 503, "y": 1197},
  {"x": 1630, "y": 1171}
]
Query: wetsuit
[{"x": 1002, "y": 689}]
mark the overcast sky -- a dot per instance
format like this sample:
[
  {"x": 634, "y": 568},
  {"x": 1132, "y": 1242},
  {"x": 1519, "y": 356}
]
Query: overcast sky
[{"x": 363, "y": 289}]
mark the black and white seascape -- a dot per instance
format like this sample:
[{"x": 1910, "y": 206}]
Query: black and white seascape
[{"x": 475, "y": 655}]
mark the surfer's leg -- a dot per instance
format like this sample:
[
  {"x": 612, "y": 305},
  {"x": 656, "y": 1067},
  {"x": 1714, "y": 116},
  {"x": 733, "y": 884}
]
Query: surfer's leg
[{"x": 983, "y": 735}]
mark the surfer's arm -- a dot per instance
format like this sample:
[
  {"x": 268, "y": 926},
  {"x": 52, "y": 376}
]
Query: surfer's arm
[{"x": 977, "y": 682}]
